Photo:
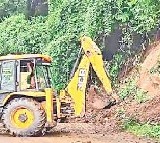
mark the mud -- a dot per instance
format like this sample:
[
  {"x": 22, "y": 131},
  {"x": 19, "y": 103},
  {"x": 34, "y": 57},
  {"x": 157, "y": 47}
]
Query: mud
[
  {"x": 78, "y": 133},
  {"x": 145, "y": 112},
  {"x": 100, "y": 112}
]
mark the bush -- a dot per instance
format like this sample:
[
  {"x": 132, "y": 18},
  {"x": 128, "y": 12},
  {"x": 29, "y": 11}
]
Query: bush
[
  {"x": 20, "y": 35},
  {"x": 58, "y": 33},
  {"x": 145, "y": 129},
  {"x": 11, "y": 7}
]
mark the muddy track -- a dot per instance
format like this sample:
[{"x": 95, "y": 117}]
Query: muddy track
[{"x": 77, "y": 133}]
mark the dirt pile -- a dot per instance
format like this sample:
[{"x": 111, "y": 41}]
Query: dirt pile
[
  {"x": 99, "y": 112},
  {"x": 148, "y": 81},
  {"x": 98, "y": 106},
  {"x": 144, "y": 112},
  {"x": 108, "y": 119}
]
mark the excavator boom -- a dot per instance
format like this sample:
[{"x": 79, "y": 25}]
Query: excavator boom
[{"x": 77, "y": 85}]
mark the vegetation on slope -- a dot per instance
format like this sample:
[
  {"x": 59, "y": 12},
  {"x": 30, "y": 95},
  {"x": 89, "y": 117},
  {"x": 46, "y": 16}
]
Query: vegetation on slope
[{"x": 57, "y": 34}]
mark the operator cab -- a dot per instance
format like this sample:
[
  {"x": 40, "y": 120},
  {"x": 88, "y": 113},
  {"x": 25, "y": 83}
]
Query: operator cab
[
  {"x": 24, "y": 72},
  {"x": 34, "y": 74}
]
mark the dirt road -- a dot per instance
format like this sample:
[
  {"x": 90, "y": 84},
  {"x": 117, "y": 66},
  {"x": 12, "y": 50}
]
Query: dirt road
[
  {"x": 77, "y": 133},
  {"x": 114, "y": 138}
]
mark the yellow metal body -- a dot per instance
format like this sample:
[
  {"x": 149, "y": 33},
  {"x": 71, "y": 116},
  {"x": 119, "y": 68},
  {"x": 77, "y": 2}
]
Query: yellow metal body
[
  {"x": 49, "y": 104},
  {"x": 25, "y": 56},
  {"x": 95, "y": 58},
  {"x": 16, "y": 120},
  {"x": 76, "y": 88},
  {"x": 77, "y": 85},
  {"x": 58, "y": 107},
  {"x": 48, "y": 93},
  {"x": 25, "y": 93}
]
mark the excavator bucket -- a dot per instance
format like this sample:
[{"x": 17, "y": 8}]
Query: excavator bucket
[{"x": 96, "y": 99}]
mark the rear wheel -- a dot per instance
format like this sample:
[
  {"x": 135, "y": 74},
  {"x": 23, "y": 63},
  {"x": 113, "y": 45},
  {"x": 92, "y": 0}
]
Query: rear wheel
[{"x": 24, "y": 117}]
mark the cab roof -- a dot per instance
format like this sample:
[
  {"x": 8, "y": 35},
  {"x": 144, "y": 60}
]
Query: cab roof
[{"x": 25, "y": 56}]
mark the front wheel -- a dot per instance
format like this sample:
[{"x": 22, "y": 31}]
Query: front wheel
[{"x": 24, "y": 117}]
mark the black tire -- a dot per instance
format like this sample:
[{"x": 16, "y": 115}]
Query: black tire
[{"x": 39, "y": 120}]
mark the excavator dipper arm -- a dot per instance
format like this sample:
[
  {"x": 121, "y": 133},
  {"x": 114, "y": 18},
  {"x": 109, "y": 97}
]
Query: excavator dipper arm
[{"x": 77, "y": 85}]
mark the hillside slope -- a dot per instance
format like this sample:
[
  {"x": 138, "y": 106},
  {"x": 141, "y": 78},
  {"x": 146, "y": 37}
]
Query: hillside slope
[{"x": 149, "y": 80}]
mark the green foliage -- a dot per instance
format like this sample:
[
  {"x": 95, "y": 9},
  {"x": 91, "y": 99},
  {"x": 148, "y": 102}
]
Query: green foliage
[
  {"x": 142, "y": 15},
  {"x": 128, "y": 90},
  {"x": 120, "y": 114},
  {"x": 145, "y": 129},
  {"x": 141, "y": 96},
  {"x": 20, "y": 35},
  {"x": 68, "y": 21},
  {"x": 156, "y": 68},
  {"x": 11, "y": 7},
  {"x": 131, "y": 90},
  {"x": 115, "y": 66},
  {"x": 63, "y": 58},
  {"x": 59, "y": 32},
  {"x": 138, "y": 16}
]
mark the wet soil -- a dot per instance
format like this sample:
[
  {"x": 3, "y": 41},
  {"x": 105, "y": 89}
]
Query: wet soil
[{"x": 77, "y": 133}]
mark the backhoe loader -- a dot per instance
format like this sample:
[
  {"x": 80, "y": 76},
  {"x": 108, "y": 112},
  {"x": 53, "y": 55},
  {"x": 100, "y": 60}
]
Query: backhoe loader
[{"x": 28, "y": 102}]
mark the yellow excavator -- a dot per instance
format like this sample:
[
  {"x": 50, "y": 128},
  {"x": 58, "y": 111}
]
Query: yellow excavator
[{"x": 29, "y": 103}]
